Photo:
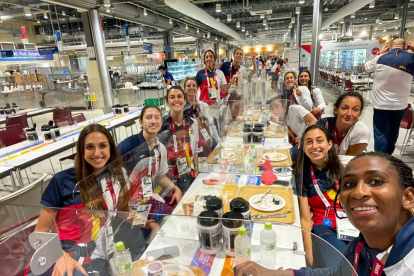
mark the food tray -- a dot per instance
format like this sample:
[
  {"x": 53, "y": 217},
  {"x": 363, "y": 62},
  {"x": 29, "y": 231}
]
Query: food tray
[
  {"x": 286, "y": 193},
  {"x": 286, "y": 162},
  {"x": 279, "y": 133},
  {"x": 138, "y": 268},
  {"x": 228, "y": 193},
  {"x": 216, "y": 151}
]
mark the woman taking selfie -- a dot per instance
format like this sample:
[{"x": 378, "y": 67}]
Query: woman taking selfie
[
  {"x": 212, "y": 83},
  {"x": 75, "y": 207},
  {"x": 351, "y": 136},
  {"x": 315, "y": 93},
  {"x": 295, "y": 94},
  {"x": 181, "y": 138},
  {"x": 377, "y": 195}
]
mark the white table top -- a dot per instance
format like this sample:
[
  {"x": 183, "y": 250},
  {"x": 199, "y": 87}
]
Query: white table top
[
  {"x": 286, "y": 234},
  {"x": 18, "y": 155}
]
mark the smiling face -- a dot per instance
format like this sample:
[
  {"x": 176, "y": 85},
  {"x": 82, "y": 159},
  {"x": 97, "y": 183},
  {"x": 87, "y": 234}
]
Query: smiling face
[
  {"x": 209, "y": 59},
  {"x": 316, "y": 146},
  {"x": 371, "y": 194},
  {"x": 238, "y": 56},
  {"x": 176, "y": 100},
  {"x": 348, "y": 111},
  {"x": 191, "y": 88},
  {"x": 151, "y": 122},
  {"x": 278, "y": 108},
  {"x": 304, "y": 78},
  {"x": 290, "y": 80},
  {"x": 97, "y": 150}
]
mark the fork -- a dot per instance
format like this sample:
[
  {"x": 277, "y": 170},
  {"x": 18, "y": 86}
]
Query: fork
[{"x": 278, "y": 215}]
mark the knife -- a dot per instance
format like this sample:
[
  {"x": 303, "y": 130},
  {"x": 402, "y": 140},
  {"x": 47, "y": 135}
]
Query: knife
[{"x": 263, "y": 196}]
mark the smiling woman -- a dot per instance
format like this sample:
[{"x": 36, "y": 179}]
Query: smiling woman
[
  {"x": 351, "y": 136},
  {"x": 377, "y": 194}
]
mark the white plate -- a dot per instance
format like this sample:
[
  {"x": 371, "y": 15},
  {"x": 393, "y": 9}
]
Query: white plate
[
  {"x": 227, "y": 155},
  {"x": 275, "y": 156},
  {"x": 281, "y": 146},
  {"x": 201, "y": 198},
  {"x": 177, "y": 270},
  {"x": 266, "y": 204}
]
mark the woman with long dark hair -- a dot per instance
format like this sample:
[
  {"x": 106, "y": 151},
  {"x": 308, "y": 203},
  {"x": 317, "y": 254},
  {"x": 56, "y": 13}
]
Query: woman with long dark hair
[
  {"x": 351, "y": 135},
  {"x": 296, "y": 95},
  {"x": 78, "y": 199},
  {"x": 316, "y": 93},
  {"x": 318, "y": 170},
  {"x": 212, "y": 83}
]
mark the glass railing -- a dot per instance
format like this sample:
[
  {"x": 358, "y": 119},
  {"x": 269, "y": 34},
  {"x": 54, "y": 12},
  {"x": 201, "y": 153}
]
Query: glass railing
[{"x": 206, "y": 243}]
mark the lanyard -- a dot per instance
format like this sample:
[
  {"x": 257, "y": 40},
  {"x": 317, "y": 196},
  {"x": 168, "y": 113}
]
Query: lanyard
[
  {"x": 199, "y": 118},
  {"x": 320, "y": 194},
  {"x": 173, "y": 129},
  {"x": 338, "y": 140},
  {"x": 231, "y": 73},
  {"x": 214, "y": 79},
  {"x": 110, "y": 186},
  {"x": 293, "y": 98},
  {"x": 156, "y": 155},
  {"x": 378, "y": 266}
]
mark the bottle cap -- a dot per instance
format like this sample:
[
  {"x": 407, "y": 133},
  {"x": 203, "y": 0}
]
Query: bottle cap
[
  {"x": 119, "y": 246},
  {"x": 242, "y": 231},
  {"x": 214, "y": 203},
  {"x": 250, "y": 160},
  {"x": 268, "y": 225},
  {"x": 232, "y": 220},
  {"x": 252, "y": 146}
]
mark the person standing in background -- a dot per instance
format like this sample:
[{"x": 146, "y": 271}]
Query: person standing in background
[
  {"x": 394, "y": 70},
  {"x": 168, "y": 77}
]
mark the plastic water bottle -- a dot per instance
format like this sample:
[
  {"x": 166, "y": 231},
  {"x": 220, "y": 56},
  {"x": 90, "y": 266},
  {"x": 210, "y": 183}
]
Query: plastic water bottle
[
  {"x": 242, "y": 247},
  {"x": 268, "y": 246},
  {"x": 188, "y": 237},
  {"x": 252, "y": 152},
  {"x": 250, "y": 168},
  {"x": 122, "y": 260}
]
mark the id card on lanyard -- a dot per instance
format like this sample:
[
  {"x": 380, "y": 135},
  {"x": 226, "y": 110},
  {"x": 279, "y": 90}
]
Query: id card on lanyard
[
  {"x": 200, "y": 122},
  {"x": 344, "y": 228},
  {"x": 147, "y": 184},
  {"x": 379, "y": 262},
  {"x": 211, "y": 84},
  {"x": 109, "y": 236},
  {"x": 326, "y": 221},
  {"x": 181, "y": 150}
]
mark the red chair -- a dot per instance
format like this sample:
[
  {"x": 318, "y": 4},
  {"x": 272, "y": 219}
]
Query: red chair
[
  {"x": 407, "y": 123},
  {"x": 12, "y": 135},
  {"x": 17, "y": 120},
  {"x": 63, "y": 116},
  {"x": 349, "y": 87}
]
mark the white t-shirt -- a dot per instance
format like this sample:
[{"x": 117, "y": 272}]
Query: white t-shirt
[
  {"x": 359, "y": 133},
  {"x": 318, "y": 98},
  {"x": 295, "y": 121},
  {"x": 305, "y": 99},
  {"x": 221, "y": 80},
  {"x": 392, "y": 86}
]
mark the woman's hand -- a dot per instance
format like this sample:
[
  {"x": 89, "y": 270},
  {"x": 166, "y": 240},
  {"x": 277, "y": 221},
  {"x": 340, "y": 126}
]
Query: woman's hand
[
  {"x": 252, "y": 268},
  {"x": 177, "y": 195},
  {"x": 297, "y": 91},
  {"x": 67, "y": 264},
  {"x": 154, "y": 227},
  {"x": 316, "y": 110}
]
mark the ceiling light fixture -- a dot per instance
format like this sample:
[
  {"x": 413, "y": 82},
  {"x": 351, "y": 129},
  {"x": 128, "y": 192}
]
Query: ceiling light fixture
[
  {"x": 396, "y": 16},
  {"x": 216, "y": 38},
  {"x": 198, "y": 30},
  {"x": 112, "y": 7},
  {"x": 262, "y": 16},
  {"x": 247, "y": 32},
  {"x": 243, "y": 29},
  {"x": 108, "y": 10},
  {"x": 372, "y": 4},
  {"x": 326, "y": 9},
  {"x": 218, "y": 19},
  {"x": 27, "y": 11},
  {"x": 145, "y": 12},
  {"x": 63, "y": 13},
  {"x": 38, "y": 21},
  {"x": 218, "y": 7},
  {"x": 292, "y": 20},
  {"x": 186, "y": 26},
  {"x": 301, "y": 1},
  {"x": 229, "y": 17},
  {"x": 170, "y": 21},
  {"x": 208, "y": 35},
  {"x": 342, "y": 21},
  {"x": 297, "y": 10},
  {"x": 264, "y": 22},
  {"x": 45, "y": 16},
  {"x": 266, "y": 27},
  {"x": 352, "y": 15},
  {"x": 238, "y": 24},
  {"x": 107, "y": 3}
]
